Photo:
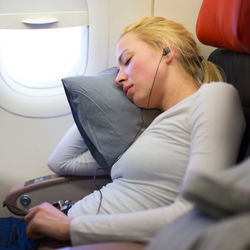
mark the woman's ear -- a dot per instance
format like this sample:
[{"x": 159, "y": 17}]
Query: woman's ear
[
  {"x": 165, "y": 51},
  {"x": 168, "y": 54}
]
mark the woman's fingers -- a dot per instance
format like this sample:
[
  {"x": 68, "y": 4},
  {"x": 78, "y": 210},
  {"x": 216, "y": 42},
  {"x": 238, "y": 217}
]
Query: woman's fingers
[{"x": 46, "y": 220}]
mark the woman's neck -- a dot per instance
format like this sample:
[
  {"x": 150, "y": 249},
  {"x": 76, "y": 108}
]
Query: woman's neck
[{"x": 178, "y": 86}]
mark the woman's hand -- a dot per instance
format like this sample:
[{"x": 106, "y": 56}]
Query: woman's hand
[{"x": 45, "y": 220}]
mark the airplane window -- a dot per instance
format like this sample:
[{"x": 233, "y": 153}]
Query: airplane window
[
  {"x": 32, "y": 64},
  {"x": 36, "y": 59}
]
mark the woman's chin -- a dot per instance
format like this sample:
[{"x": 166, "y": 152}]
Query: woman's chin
[{"x": 140, "y": 104}]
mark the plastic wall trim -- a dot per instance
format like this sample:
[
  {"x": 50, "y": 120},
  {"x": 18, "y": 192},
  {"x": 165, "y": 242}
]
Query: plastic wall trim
[{"x": 64, "y": 19}]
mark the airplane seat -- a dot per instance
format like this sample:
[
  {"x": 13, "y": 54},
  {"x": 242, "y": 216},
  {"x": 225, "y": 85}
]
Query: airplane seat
[
  {"x": 222, "y": 24},
  {"x": 236, "y": 66}
]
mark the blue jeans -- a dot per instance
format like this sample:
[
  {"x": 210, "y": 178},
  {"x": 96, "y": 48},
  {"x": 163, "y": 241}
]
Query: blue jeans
[{"x": 13, "y": 236}]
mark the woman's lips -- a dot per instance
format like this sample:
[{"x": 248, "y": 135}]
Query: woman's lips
[{"x": 126, "y": 88}]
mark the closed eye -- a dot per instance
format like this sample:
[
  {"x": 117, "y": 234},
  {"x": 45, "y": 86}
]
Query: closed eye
[{"x": 127, "y": 61}]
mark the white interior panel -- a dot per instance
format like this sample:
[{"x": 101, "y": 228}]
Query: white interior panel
[
  {"x": 23, "y": 6},
  {"x": 98, "y": 36},
  {"x": 19, "y": 14},
  {"x": 25, "y": 146},
  {"x": 121, "y": 14},
  {"x": 185, "y": 12}
]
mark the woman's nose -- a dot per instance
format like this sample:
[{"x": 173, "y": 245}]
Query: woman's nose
[{"x": 120, "y": 78}]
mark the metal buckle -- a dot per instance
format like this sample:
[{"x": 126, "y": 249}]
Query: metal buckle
[{"x": 63, "y": 205}]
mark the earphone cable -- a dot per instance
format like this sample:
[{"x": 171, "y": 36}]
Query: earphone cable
[
  {"x": 137, "y": 134},
  {"x": 151, "y": 90}
]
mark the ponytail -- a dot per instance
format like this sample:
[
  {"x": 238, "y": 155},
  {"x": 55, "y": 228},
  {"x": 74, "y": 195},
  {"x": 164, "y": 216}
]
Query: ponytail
[{"x": 210, "y": 72}]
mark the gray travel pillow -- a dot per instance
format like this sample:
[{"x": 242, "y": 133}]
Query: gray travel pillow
[{"x": 106, "y": 119}]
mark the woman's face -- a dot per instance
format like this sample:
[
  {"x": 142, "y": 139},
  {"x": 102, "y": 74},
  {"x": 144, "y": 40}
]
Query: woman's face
[{"x": 137, "y": 63}]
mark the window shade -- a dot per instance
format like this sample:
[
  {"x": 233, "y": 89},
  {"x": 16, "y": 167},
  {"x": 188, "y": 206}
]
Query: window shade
[{"x": 21, "y": 14}]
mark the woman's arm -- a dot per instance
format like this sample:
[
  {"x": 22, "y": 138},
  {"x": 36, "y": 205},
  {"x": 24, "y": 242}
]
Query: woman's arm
[
  {"x": 139, "y": 226},
  {"x": 218, "y": 124},
  {"x": 72, "y": 157},
  {"x": 47, "y": 221}
]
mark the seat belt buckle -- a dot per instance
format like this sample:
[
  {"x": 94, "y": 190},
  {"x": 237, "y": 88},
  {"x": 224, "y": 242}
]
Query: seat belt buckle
[{"x": 63, "y": 205}]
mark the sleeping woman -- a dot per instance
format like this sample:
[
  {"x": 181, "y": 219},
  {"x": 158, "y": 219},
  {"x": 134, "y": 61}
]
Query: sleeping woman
[{"x": 199, "y": 129}]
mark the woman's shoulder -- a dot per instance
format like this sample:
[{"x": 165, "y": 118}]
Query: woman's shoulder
[
  {"x": 217, "y": 93},
  {"x": 216, "y": 98},
  {"x": 217, "y": 87}
]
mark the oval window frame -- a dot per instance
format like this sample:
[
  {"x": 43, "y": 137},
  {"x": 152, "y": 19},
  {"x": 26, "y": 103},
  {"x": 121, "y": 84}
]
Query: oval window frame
[
  {"x": 57, "y": 104},
  {"x": 39, "y": 102}
]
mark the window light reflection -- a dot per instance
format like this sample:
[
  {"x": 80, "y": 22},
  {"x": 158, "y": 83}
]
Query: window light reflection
[{"x": 38, "y": 58}]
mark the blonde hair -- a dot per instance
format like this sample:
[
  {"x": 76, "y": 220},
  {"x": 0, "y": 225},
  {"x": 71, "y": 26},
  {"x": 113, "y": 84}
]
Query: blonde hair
[{"x": 159, "y": 32}]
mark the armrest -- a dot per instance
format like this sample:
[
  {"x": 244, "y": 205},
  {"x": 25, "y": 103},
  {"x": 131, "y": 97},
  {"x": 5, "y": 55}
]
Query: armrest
[
  {"x": 109, "y": 246},
  {"x": 103, "y": 246},
  {"x": 51, "y": 188},
  {"x": 52, "y": 245}
]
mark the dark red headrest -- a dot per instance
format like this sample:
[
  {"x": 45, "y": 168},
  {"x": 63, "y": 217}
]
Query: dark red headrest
[{"x": 225, "y": 24}]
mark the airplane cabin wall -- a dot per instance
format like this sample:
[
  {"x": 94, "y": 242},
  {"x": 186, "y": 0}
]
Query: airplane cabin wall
[
  {"x": 185, "y": 12},
  {"x": 122, "y": 13},
  {"x": 26, "y": 143}
]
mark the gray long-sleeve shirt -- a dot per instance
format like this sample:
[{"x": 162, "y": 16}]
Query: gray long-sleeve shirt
[{"x": 200, "y": 133}]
